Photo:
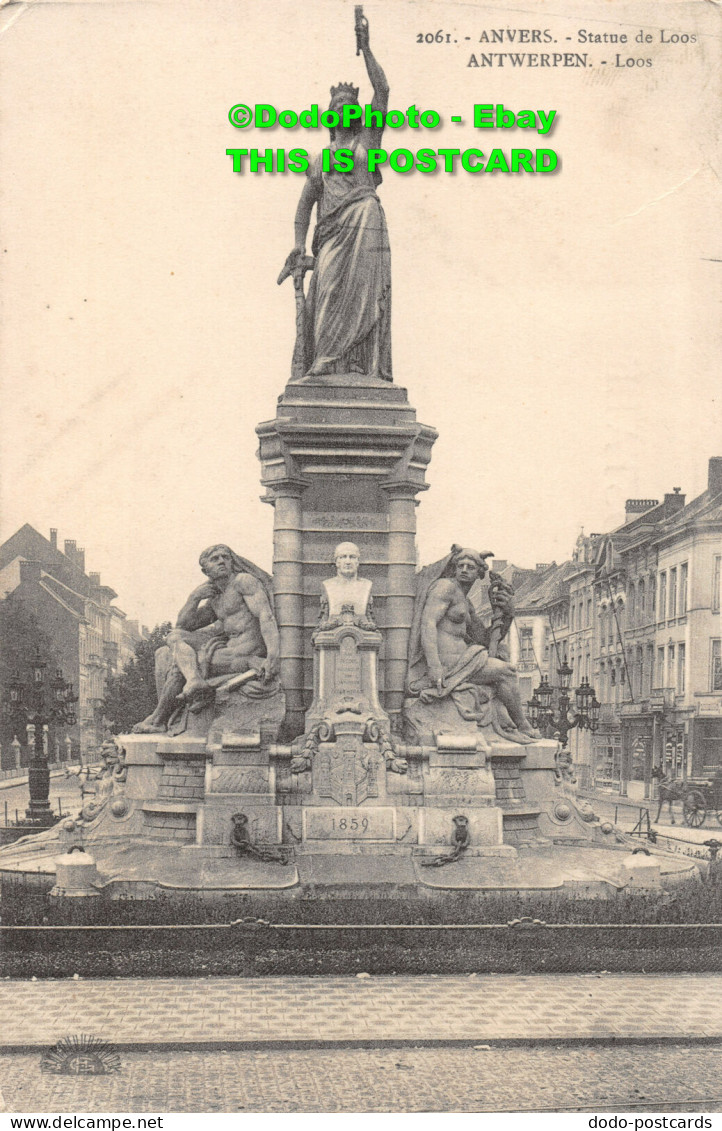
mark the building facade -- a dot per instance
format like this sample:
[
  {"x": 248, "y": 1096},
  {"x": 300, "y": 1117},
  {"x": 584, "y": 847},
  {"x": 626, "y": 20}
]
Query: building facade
[
  {"x": 90, "y": 636},
  {"x": 637, "y": 612}
]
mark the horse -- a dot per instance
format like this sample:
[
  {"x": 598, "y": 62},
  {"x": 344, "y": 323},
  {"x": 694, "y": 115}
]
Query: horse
[
  {"x": 84, "y": 774},
  {"x": 670, "y": 790}
]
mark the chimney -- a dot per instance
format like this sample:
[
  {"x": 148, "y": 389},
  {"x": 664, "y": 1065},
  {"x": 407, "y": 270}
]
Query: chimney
[
  {"x": 75, "y": 554},
  {"x": 53, "y": 537},
  {"x": 94, "y": 579},
  {"x": 30, "y": 572},
  {"x": 541, "y": 566},
  {"x": 499, "y": 564},
  {"x": 714, "y": 476},
  {"x": 634, "y": 507},
  {"x": 673, "y": 502}
]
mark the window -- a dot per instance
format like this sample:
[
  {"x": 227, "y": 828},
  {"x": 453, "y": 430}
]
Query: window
[
  {"x": 652, "y": 597},
  {"x": 639, "y": 679},
  {"x": 630, "y": 605},
  {"x": 683, "y": 574},
  {"x": 660, "y": 667},
  {"x": 672, "y": 611},
  {"x": 662, "y": 596},
  {"x": 641, "y": 610},
  {"x": 681, "y": 682},
  {"x": 608, "y": 758},
  {"x": 650, "y": 668},
  {"x": 527, "y": 645},
  {"x": 716, "y": 570},
  {"x": 670, "y": 667},
  {"x": 572, "y": 615},
  {"x": 715, "y": 678},
  {"x": 589, "y": 612}
]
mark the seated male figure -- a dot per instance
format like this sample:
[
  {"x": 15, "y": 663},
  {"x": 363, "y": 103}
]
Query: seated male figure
[{"x": 226, "y": 627}]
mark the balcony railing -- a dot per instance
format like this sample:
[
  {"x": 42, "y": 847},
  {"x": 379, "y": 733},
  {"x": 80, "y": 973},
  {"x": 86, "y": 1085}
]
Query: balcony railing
[
  {"x": 640, "y": 707},
  {"x": 662, "y": 698},
  {"x": 608, "y": 714}
]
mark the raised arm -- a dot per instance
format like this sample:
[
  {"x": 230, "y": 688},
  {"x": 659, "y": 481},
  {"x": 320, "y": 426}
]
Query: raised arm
[
  {"x": 380, "y": 100},
  {"x": 477, "y": 632},
  {"x": 192, "y": 616}
]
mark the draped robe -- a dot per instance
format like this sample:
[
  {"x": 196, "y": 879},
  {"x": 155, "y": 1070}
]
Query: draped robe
[{"x": 348, "y": 325}]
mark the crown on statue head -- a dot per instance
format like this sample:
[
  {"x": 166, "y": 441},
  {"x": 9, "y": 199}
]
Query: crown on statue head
[{"x": 345, "y": 91}]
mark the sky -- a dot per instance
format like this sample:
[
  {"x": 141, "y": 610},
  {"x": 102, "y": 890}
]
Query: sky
[{"x": 560, "y": 331}]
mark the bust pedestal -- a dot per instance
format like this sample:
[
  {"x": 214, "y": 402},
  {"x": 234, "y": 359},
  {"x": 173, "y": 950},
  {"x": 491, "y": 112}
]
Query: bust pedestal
[
  {"x": 344, "y": 458},
  {"x": 346, "y": 719}
]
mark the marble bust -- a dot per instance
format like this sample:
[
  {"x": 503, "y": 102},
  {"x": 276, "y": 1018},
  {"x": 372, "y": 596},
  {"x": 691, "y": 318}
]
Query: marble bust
[{"x": 346, "y": 591}]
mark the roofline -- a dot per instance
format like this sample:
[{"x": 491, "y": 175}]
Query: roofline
[{"x": 78, "y": 616}]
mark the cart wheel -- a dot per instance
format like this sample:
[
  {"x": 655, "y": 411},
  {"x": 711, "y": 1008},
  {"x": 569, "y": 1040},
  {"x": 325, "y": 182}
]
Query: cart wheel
[{"x": 694, "y": 809}]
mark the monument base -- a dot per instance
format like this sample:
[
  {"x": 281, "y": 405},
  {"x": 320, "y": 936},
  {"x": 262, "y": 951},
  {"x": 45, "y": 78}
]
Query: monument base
[
  {"x": 162, "y": 822},
  {"x": 146, "y": 869}
]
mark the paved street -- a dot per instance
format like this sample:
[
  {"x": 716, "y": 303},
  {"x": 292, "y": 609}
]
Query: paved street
[
  {"x": 626, "y": 813},
  {"x": 313, "y": 1010},
  {"x": 585, "y": 1078},
  {"x": 65, "y": 790}
]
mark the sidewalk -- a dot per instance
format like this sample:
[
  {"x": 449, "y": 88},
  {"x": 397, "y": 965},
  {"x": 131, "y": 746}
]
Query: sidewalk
[
  {"x": 233, "y": 1013},
  {"x": 628, "y": 809},
  {"x": 610, "y": 798},
  {"x": 21, "y": 777}
]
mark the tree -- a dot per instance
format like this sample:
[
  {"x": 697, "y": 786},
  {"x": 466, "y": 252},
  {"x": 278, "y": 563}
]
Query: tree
[{"x": 131, "y": 694}]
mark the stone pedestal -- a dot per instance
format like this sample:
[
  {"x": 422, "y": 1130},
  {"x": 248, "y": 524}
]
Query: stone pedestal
[
  {"x": 240, "y": 779},
  {"x": 347, "y": 733},
  {"x": 344, "y": 459}
]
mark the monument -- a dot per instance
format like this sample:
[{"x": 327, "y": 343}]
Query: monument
[{"x": 321, "y": 733}]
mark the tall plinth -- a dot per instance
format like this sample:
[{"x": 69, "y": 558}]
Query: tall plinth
[{"x": 343, "y": 460}]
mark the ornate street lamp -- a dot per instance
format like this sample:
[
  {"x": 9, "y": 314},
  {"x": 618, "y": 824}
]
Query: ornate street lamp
[
  {"x": 39, "y": 667},
  {"x": 544, "y": 717},
  {"x": 36, "y": 706}
]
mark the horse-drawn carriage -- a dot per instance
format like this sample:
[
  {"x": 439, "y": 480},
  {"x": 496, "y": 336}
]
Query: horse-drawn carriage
[{"x": 699, "y": 796}]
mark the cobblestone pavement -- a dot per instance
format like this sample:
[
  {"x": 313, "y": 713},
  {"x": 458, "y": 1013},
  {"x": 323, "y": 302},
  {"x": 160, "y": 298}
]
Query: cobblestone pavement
[
  {"x": 136, "y": 1011},
  {"x": 581, "y": 1078}
]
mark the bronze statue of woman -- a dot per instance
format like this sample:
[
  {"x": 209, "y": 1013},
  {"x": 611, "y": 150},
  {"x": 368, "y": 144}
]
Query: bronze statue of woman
[{"x": 348, "y": 308}]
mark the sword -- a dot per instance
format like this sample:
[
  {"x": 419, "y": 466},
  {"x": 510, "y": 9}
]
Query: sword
[{"x": 297, "y": 268}]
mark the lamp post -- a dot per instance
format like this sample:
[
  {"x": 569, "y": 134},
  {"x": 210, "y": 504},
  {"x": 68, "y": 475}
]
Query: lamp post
[
  {"x": 550, "y": 721},
  {"x": 36, "y": 706}
]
